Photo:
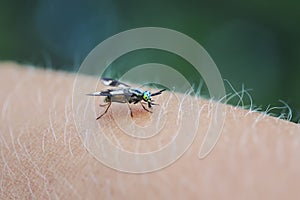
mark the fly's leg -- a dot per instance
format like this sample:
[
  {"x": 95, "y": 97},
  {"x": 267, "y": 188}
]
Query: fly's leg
[
  {"x": 106, "y": 101},
  {"x": 129, "y": 109},
  {"x": 151, "y": 103},
  {"x": 109, "y": 103},
  {"x": 145, "y": 108}
]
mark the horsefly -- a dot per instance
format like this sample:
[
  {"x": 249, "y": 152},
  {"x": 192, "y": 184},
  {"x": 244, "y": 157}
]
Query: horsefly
[{"x": 124, "y": 94}]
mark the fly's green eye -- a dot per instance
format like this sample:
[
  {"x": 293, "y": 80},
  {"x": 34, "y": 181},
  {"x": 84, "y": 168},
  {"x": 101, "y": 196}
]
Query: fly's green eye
[{"x": 146, "y": 96}]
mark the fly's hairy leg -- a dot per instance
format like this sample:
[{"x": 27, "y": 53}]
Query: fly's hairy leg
[
  {"x": 129, "y": 109},
  {"x": 109, "y": 104},
  {"x": 106, "y": 102},
  {"x": 145, "y": 108},
  {"x": 103, "y": 105}
]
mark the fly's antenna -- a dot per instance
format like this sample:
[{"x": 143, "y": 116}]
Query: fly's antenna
[{"x": 158, "y": 93}]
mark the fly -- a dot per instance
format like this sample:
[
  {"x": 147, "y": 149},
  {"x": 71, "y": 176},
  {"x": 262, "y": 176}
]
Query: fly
[{"x": 124, "y": 94}]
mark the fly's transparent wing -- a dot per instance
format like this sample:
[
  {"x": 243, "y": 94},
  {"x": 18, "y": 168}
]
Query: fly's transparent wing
[{"x": 113, "y": 83}]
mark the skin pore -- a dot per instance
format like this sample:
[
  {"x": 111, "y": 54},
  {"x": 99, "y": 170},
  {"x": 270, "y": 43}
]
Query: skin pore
[{"x": 43, "y": 157}]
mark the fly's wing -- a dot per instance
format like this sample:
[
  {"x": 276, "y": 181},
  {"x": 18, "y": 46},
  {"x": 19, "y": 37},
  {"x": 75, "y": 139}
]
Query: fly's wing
[
  {"x": 111, "y": 92},
  {"x": 118, "y": 95},
  {"x": 113, "y": 83},
  {"x": 102, "y": 93}
]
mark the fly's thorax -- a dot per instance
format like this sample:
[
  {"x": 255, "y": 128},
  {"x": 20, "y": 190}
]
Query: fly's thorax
[{"x": 136, "y": 92}]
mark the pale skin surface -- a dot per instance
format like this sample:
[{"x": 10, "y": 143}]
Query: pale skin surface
[{"x": 42, "y": 156}]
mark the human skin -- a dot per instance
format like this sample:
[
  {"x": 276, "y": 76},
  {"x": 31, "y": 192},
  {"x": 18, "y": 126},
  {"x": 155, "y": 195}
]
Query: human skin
[{"x": 42, "y": 155}]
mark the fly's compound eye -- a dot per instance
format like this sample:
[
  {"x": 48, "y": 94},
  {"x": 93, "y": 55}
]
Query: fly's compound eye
[{"x": 147, "y": 96}]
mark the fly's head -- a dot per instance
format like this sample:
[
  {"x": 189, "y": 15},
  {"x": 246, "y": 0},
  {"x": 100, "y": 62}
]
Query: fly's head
[{"x": 147, "y": 98}]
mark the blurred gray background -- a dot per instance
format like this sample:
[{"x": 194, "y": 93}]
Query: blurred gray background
[{"x": 254, "y": 43}]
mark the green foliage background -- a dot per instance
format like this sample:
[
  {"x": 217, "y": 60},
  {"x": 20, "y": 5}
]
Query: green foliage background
[{"x": 255, "y": 43}]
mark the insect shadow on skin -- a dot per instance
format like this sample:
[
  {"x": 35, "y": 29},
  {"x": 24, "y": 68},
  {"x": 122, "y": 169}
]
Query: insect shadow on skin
[{"x": 123, "y": 93}]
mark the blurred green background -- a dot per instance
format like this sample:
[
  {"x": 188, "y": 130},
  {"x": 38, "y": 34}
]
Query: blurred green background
[{"x": 255, "y": 43}]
